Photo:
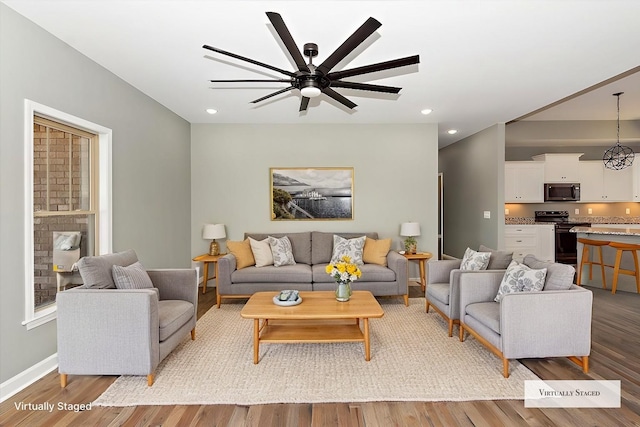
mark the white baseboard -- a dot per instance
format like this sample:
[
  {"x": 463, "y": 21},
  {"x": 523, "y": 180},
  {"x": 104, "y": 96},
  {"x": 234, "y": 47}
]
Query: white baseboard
[{"x": 27, "y": 377}]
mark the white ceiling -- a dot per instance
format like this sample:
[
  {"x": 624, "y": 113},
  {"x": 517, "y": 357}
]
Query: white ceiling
[{"x": 482, "y": 62}]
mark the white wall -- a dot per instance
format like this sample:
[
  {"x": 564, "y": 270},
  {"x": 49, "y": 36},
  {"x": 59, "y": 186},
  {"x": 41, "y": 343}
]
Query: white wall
[{"x": 395, "y": 174}]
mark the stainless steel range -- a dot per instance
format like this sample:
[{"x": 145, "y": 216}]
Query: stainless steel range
[{"x": 566, "y": 245}]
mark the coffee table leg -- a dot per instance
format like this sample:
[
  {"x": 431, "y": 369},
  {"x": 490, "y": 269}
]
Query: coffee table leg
[
  {"x": 256, "y": 340},
  {"x": 367, "y": 344}
]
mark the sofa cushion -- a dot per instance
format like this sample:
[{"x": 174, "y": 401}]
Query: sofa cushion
[
  {"x": 281, "y": 250},
  {"x": 172, "y": 315},
  {"x": 322, "y": 244},
  {"x": 298, "y": 273},
  {"x": 133, "y": 276},
  {"x": 520, "y": 278},
  {"x": 559, "y": 276},
  {"x": 499, "y": 260},
  {"x": 473, "y": 260},
  {"x": 487, "y": 313},
  {"x": 300, "y": 243},
  {"x": 261, "y": 252},
  {"x": 351, "y": 248},
  {"x": 242, "y": 252},
  {"x": 375, "y": 251},
  {"x": 439, "y": 291},
  {"x": 370, "y": 273},
  {"x": 96, "y": 270}
]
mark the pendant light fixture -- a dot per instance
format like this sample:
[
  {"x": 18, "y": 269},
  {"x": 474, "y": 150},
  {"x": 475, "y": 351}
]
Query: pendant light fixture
[{"x": 618, "y": 157}]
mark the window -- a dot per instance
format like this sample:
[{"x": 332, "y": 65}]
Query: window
[{"x": 68, "y": 195}]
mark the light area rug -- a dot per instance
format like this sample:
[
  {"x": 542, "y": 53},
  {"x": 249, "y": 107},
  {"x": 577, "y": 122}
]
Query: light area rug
[{"x": 412, "y": 359}]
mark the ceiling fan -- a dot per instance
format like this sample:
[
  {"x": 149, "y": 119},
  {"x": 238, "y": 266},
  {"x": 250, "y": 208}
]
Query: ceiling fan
[{"x": 313, "y": 80}]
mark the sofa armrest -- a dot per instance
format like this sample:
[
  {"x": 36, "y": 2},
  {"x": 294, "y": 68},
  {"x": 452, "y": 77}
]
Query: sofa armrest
[
  {"x": 398, "y": 263},
  {"x": 546, "y": 323},
  {"x": 478, "y": 286},
  {"x": 176, "y": 283},
  {"x": 438, "y": 271},
  {"x": 226, "y": 266},
  {"x": 107, "y": 331}
]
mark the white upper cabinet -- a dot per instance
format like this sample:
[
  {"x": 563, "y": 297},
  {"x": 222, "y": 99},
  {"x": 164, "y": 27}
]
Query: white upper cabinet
[
  {"x": 560, "y": 167},
  {"x": 523, "y": 182},
  {"x": 599, "y": 184}
]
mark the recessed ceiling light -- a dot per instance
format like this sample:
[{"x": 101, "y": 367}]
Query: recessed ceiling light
[
  {"x": 211, "y": 110},
  {"x": 452, "y": 131},
  {"x": 426, "y": 111}
]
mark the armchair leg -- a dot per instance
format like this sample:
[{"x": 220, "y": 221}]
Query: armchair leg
[
  {"x": 406, "y": 300},
  {"x": 505, "y": 367},
  {"x": 583, "y": 362},
  {"x": 450, "y": 327},
  {"x": 150, "y": 380},
  {"x": 426, "y": 306},
  {"x": 193, "y": 334},
  {"x": 218, "y": 300},
  {"x": 461, "y": 333},
  {"x": 63, "y": 380}
]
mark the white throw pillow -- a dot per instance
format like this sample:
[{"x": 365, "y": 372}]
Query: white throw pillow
[
  {"x": 520, "y": 278},
  {"x": 473, "y": 260},
  {"x": 261, "y": 252},
  {"x": 350, "y": 247},
  {"x": 281, "y": 250},
  {"x": 133, "y": 276}
]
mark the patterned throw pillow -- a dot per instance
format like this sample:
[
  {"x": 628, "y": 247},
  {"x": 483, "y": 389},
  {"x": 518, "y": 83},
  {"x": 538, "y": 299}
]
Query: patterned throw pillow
[
  {"x": 133, "y": 276},
  {"x": 473, "y": 260},
  {"x": 281, "y": 250},
  {"x": 261, "y": 252},
  {"x": 351, "y": 247},
  {"x": 520, "y": 278}
]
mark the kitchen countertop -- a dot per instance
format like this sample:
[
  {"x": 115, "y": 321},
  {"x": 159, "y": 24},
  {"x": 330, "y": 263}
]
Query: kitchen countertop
[
  {"x": 633, "y": 221},
  {"x": 608, "y": 231}
]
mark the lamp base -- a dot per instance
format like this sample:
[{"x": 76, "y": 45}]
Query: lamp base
[{"x": 214, "y": 248}]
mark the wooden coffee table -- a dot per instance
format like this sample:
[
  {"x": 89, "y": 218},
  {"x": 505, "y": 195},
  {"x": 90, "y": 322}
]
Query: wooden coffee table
[{"x": 318, "y": 319}]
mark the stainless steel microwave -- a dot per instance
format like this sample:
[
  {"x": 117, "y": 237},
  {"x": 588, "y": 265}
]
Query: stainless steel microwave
[{"x": 562, "y": 192}]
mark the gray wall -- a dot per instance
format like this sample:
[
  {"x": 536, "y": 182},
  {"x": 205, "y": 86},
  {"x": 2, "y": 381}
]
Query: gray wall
[
  {"x": 395, "y": 174},
  {"x": 473, "y": 182},
  {"x": 151, "y": 178}
]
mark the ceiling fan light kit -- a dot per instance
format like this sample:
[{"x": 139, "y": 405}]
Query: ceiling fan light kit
[
  {"x": 311, "y": 80},
  {"x": 619, "y": 156}
]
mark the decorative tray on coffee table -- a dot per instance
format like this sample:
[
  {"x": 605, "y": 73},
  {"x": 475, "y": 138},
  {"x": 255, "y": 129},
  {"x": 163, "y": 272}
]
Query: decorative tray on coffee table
[{"x": 287, "y": 298}]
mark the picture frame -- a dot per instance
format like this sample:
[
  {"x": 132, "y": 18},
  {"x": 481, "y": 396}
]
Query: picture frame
[{"x": 311, "y": 193}]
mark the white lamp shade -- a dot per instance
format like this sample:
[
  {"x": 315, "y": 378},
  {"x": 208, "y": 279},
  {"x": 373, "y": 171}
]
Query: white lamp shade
[
  {"x": 213, "y": 231},
  {"x": 410, "y": 229}
]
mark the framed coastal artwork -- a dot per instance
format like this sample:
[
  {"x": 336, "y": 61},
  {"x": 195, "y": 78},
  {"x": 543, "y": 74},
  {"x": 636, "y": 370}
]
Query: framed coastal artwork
[{"x": 316, "y": 193}]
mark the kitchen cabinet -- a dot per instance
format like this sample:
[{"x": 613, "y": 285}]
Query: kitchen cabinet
[
  {"x": 560, "y": 167},
  {"x": 538, "y": 239},
  {"x": 524, "y": 182},
  {"x": 599, "y": 184}
]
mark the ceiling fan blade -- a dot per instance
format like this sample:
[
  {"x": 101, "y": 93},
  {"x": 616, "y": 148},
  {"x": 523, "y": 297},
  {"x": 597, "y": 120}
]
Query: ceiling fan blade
[
  {"x": 304, "y": 103},
  {"x": 252, "y": 81},
  {"x": 252, "y": 61},
  {"x": 287, "y": 39},
  {"x": 360, "y": 35},
  {"x": 380, "y": 66},
  {"x": 341, "y": 99},
  {"x": 287, "y": 89},
  {"x": 366, "y": 86}
]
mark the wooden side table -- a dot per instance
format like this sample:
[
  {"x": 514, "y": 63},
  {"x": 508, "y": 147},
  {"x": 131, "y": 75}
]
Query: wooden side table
[
  {"x": 421, "y": 257},
  {"x": 207, "y": 259}
]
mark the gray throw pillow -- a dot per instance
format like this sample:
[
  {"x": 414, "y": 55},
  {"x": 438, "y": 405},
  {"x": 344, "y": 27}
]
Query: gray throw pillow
[
  {"x": 96, "y": 270},
  {"x": 559, "y": 276},
  {"x": 499, "y": 260},
  {"x": 133, "y": 276}
]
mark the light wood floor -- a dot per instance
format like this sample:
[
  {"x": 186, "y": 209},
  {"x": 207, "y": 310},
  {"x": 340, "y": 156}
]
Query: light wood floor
[{"x": 615, "y": 355}]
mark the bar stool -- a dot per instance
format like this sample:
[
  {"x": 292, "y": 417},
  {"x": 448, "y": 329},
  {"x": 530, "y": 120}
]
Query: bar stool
[
  {"x": 621, "y": 248},
  {"x": 585, "y": 259}
]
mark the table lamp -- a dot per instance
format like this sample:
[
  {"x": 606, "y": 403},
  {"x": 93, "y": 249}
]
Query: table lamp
[
  {"x": 410, "y": 230},
  {"x": 214, "y": 231}
]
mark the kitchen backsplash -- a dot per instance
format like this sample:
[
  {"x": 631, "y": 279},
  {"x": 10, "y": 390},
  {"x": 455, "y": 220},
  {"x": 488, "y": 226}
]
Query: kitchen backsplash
[{"x": 519, "y": 220}]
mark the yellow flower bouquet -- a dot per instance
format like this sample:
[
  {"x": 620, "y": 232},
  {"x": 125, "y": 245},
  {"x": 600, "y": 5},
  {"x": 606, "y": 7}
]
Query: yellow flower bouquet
[{"x": 344, "y": 272}]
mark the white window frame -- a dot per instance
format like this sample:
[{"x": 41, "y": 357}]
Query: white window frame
[{"x": 33, "y": 317}]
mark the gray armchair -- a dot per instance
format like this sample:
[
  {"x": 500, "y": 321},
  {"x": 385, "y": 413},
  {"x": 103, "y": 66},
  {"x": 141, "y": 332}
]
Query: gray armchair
[
  {"x": 554, "y": 322},
  {"x": 107, "y": 331},
  {"x": 443, "y": 284}
]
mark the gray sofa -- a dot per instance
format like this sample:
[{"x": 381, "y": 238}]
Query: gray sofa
[{"x": 312, "y": 252}]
